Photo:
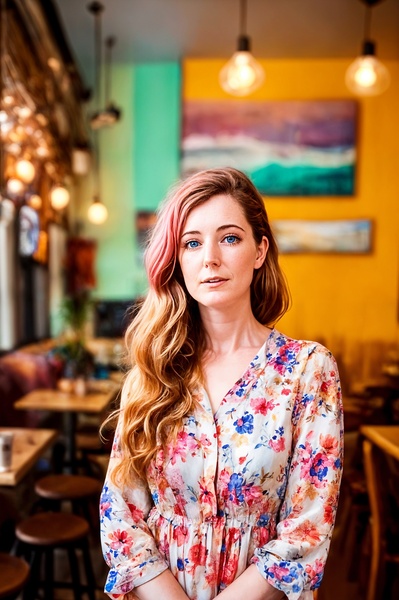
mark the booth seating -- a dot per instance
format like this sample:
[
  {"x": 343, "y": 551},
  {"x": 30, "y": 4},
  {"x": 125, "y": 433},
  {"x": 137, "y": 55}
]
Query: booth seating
[
  {"x": 39, "y": 536},
  {"x": 14, "y": 573}
]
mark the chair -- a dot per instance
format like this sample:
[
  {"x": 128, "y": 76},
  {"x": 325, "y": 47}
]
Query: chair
[
  {"x": 39, "y": 536},
  {"x": 384, "y": 538},
  {"x": 81, "y": 491},
  {"x": 14, "y": 573}
]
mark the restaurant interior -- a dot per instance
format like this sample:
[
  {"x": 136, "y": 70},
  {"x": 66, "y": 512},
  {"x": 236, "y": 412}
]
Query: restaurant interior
[{"x": 104, "y": 106}]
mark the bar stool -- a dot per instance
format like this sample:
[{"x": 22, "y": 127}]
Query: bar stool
[
  {"x": 80, "y": 490},
  {"x": 39, "y": 536},
  {"x": 14, "y": 573}
]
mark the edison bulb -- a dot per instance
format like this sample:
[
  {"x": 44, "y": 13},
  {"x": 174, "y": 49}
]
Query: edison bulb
[
  {"x": 242, "y": 74},
  {"x": 25, "y": 170},
  {"x": 59, "y": 197},
  {"x": 97, "y": 212},
  {"x": 367, "y": 76}
]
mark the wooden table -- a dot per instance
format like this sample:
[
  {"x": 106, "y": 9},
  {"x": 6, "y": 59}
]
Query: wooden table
[
  {"x": 99, "y": 396},
  {"x": 385, "y": 437},
  {"x": 28, "y": 446}
]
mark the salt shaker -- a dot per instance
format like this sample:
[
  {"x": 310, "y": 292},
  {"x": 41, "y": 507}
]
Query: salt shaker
[{"x": 6, "y": 439}]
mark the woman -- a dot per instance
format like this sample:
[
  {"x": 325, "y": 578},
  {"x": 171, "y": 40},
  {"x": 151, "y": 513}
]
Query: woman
[{"x": 225, "y": 470}]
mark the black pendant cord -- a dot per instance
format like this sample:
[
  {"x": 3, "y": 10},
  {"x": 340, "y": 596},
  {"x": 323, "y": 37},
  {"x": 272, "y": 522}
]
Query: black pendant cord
[
  {"x": 367, "y": 23},
  {"x": 243, "y": 17},
  {"x": 109, "y": 44},
  {"x": 96, "y": 8}
]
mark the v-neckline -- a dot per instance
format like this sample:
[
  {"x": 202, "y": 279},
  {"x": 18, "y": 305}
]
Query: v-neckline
[{"x": 262, "y": 349}]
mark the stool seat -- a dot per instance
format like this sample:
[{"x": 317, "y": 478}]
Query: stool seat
[
  {"x": 67, "y": 487},
  {"x": 14, "y": 573},
  {"x": 52, "y": 529}
]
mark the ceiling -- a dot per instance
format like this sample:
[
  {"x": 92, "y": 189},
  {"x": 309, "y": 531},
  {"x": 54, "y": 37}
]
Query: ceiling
[{"x": 163, "y": 30}]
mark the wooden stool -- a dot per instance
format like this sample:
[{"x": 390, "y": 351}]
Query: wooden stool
[
  {"x": 14, "y": 573},
  {"x": 77, "y": 489},
  {"x": 39, "y": 535}
]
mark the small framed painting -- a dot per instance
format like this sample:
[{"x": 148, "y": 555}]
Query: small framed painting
[
  {"x": 351, "y": 236},
  {"x": 287, "y": 147}
]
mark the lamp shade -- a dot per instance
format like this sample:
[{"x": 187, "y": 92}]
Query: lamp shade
[
  {"x": 59, "y": 197},
  {"x": 97, "y": 212}
]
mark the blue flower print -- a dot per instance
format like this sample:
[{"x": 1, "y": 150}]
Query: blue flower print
[
  {"x": 235, "y": 487},
  {"x": 263, "y": 521},
  {"x": 244, "y": 424},
  {"x": 318, "y": 469}
]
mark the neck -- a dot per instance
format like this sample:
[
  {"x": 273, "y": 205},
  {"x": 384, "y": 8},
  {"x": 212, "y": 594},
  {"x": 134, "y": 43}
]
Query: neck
[{"x": 228, "y": 332}]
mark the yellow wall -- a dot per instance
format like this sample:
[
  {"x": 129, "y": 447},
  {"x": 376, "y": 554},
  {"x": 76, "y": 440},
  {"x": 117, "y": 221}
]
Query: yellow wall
[{"x": 342, "y": 300}]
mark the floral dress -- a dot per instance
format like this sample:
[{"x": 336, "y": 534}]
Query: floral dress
[{"x": 257, "y": 482}]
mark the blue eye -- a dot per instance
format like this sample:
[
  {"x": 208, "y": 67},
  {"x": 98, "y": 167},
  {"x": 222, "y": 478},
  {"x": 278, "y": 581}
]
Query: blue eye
[
  {"x": 192, "y": 244},
  {"x": 231, "y": 239}
]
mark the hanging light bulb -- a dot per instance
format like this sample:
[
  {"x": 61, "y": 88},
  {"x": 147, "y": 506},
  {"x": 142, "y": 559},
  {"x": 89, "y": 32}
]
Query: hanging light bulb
[
  {"x": 59, "y": 197},
  {"x": 25, "y": 170},
  {"x": 97, "y": 212},
  {"x": 366, "y": 75},
  {"x": 242, "y": 74}
]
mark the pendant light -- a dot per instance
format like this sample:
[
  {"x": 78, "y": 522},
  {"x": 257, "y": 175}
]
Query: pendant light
[
  {"x": 59, "y": 197},
  {"x": 109, "y": 115},
  {"x": 367, "y": 76},
  {"x": 242, "y": 74},
  {"x": 97, "y": 213}
]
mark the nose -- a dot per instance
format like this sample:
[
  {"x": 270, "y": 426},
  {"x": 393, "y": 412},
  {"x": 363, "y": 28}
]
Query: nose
[{"x": 211, "y": 256}]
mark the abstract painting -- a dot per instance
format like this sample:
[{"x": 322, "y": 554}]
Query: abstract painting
[
  {"x": 287, "y": 148},
  {"x": 340, "y": 236}
]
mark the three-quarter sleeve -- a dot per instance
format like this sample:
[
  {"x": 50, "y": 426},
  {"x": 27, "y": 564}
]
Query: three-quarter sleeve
[
  {"x": 294, "y": 561},
  {"x": 128, "y": 545}
]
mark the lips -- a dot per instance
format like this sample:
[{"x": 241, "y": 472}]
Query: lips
[{"x": 213, "y": 280}]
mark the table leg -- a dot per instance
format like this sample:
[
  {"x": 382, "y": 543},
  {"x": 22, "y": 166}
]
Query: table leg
[{"x": 70, "y": 419}]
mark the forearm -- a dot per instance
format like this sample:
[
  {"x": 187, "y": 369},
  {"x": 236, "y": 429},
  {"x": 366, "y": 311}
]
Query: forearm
[
  {"x": 252, "y": 586},
  {"x": 163, "y": 586}
]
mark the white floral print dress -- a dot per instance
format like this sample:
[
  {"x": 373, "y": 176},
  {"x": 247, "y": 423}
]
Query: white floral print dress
[{"x": 257, "y": 482}]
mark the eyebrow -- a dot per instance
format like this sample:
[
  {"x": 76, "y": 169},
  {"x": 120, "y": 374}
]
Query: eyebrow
[{"x": 221, "y": 228}]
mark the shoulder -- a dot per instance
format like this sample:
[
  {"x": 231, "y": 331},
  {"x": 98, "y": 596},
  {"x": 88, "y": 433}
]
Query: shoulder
[{"x": 305, "y": 355}]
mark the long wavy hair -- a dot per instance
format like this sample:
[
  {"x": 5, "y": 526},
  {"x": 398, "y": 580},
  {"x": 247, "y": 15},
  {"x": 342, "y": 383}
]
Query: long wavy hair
[{"x": 165, "y": 339}]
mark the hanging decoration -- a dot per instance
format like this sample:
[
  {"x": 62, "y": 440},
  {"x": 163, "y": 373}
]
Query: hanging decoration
[{"x": 242, "y": 74}]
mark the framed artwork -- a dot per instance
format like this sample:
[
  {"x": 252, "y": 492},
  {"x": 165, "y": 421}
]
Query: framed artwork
[
  {"x": 287, "y": 148},
  {"x": 352, "y": 236}
]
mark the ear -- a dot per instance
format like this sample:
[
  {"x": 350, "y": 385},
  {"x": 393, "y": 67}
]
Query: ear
[{"x": 261, "y": 252}]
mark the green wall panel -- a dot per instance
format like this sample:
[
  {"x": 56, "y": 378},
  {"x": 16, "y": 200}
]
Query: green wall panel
[{"x": 157, "y": 118}]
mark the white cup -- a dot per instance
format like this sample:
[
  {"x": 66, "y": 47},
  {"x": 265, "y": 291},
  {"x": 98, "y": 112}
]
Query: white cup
[{"x": 6, "y": 440}]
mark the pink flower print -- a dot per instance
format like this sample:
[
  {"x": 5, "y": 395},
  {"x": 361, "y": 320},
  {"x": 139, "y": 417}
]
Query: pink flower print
[
  {"x": 252, "y": 493},
  {"x": 277, "y": 441},
  {"x": 315, "y": 572},
  {"x": 262, "y": 405},
  {"x": 229, "y": 570},
  {"x": 184, "y": 444},
  {"x": 205, "y": 494},
  {"x": 135, "y": 512},
  {"x": 121, "y": 541},
  {"x": 197, "y": 556},
  {"x": 180, "y": 534}
]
